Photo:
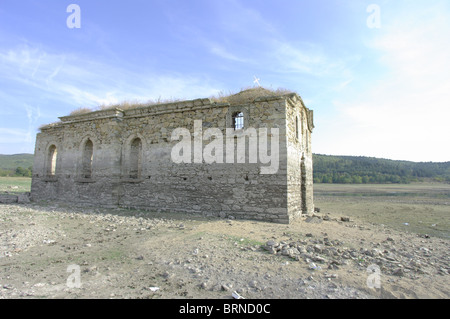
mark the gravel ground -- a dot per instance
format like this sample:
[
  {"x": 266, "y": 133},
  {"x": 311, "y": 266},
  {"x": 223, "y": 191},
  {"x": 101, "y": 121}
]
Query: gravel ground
[{"x": 60, "y": 251}]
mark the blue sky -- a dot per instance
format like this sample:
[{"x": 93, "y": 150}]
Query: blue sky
[{"x": 381, "y": 92}]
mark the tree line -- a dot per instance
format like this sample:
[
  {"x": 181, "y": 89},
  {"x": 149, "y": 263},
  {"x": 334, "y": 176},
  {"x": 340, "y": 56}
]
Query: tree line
[
  {"x": 369, "y": 170},
  {"x": 17, "y": 172}
]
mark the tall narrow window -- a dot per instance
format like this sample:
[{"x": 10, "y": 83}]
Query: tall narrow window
[
  {"x": 51, "y": 160},
  {"x": 301, "y": 121},
  {"x": 88, "y": 154},
  {"x": 136, "y": 158},
  {"x": 238, "y": 120},
  {"x": 296, "y": 127}
]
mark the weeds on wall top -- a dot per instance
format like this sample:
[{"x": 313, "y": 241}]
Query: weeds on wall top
[{"x": 246, "y": 95}]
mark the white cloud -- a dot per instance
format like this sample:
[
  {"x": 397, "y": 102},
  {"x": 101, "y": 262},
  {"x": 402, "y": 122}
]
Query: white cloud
[
  {"x": 83, "y": 82},
  {"x": 404, "y": 115}
]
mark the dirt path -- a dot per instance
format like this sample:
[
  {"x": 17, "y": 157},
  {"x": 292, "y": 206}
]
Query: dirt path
[{"x": 135, "y": 254}]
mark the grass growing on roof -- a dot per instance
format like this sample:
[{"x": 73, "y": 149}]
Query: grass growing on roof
[{"x": 246, "y": 95}]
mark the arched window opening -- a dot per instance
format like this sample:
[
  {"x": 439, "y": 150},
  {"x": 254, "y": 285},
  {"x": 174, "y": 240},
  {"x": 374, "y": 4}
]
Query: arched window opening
[
  {"x": 136, "y": 158},
  {"x": 238, "y": 120},
  {"x": 296, "y": 127},
  {"x": 88, "y": 155},
  {"x": 51, "y": 160}
]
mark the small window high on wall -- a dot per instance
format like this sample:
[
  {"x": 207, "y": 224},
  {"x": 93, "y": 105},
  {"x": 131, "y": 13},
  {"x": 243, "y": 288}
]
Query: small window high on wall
[
  {"x": 135, "y": 158},
  {"x": 296, "y": 127},
  {"x": 88, "y": 155},
  {"x": 238, "y": 120},
  {"x": 51, "y": 160}
]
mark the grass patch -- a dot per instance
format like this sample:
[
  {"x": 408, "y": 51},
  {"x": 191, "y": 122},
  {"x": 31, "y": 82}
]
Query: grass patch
[
  {"x": 247, "y": 95},
  {"x": 80, "y": 111},
  {"x": 244, "y": 96},
  {"x": 243, "y": 241},
  {"x": 113, "y": 254},
  {"x": 15, "y": 184}
]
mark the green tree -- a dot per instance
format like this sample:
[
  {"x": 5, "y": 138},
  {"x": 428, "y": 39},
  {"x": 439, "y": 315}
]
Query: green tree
[{"x": 20, "y": 171}]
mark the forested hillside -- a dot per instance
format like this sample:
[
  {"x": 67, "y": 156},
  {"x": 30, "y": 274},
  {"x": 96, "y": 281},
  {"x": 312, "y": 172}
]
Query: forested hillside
[
  {"x": 16, "y": 165},
  {"x": 364, "y": 170}
]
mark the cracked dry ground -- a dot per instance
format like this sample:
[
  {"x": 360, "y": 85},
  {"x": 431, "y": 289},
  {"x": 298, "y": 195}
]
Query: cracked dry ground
[{"x": 129, "y": 253}]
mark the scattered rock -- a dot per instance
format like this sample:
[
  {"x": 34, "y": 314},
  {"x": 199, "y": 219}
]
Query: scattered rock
[
  {"x": 235, "y": 295},
  {"x": 317, "y": 248},
  {"x": 226, "y": 287},
  {"x": 345, "y": 219},
  {"x": 253, "y": 284},
  {"x": 167, "y": 275},
  {"x": 222, "y": 215},
  {"x": 314, "y": 220},
  {"x": 23, "y": 198},
  {"x": 8, "y": 199},
  {"x": 390, "y": 256},
  {"x": 398, "y": 272},
  {"x": 272, "y": 243},
  {"x": 196, "y": 264},
  {"x": 313, "y": 266},
  {"x": 319, "y": 259},
  {"x": 443, "y": 271}
]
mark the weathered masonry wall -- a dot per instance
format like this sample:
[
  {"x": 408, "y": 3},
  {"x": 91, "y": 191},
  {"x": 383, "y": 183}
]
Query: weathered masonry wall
[
  {"x": 124, "y": 158},
  {"x": 299, "y": 165}
]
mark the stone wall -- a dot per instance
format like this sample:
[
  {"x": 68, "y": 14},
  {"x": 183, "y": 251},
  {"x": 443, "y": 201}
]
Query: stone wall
[
  {"x": 124, "y": 158},
  {"x": 299, "y": 165}
]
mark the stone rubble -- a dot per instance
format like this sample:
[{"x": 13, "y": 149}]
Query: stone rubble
[
  {"x": 207, "y": 267},
  {"x": 329, "y": 254}
]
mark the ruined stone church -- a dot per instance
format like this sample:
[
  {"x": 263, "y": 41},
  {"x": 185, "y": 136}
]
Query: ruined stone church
[{"x": 248, "y": 156}]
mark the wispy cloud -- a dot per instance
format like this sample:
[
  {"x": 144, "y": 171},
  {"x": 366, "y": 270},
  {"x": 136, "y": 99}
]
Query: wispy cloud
[
  {"x": 33, "y": 115},
  {"x": 84, "y": 82},
  {"x": 220, "y": 51},
  {"x": 310, "y": 59},
  {"x": 242, "y": 20},
  {"x": 40, "y": 86},
  {"x": 8, "y": 135}
]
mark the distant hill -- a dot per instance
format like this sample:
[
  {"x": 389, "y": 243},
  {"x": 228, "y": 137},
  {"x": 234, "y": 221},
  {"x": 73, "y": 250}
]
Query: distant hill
[
  {"x": 327, "y": 169},
  {"x": 16, "y": 165},
  {"x": 363, "y": 170}
]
